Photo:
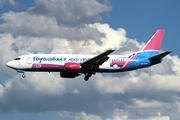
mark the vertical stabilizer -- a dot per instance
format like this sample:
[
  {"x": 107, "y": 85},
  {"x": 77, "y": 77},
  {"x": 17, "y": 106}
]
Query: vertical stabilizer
[{"x": 155, "y": 42}]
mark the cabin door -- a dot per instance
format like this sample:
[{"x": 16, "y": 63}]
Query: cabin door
[{"x": 28, "y": 60}]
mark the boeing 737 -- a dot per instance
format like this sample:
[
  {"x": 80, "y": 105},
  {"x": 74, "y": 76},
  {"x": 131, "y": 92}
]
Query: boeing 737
[{"x": 73, "y": 65}]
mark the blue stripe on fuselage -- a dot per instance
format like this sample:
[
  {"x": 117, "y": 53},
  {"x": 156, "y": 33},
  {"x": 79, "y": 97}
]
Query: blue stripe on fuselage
[{"x": 142, "y": 60}]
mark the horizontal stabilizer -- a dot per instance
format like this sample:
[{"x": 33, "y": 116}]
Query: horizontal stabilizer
[{"x": 160, "y": 56}]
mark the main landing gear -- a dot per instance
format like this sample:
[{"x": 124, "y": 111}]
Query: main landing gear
[{"x": 87, "y": 76}]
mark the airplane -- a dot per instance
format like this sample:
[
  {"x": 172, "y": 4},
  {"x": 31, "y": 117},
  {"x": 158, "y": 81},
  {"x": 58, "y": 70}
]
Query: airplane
[{"x": 73, "y": 65}]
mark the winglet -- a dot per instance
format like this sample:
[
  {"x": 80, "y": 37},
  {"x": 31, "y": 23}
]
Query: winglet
[{"x": 155, "y": 42}]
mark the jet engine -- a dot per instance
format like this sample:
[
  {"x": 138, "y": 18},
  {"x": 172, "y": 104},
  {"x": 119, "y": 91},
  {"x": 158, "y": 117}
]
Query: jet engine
[{"x": 72, "y": 66}]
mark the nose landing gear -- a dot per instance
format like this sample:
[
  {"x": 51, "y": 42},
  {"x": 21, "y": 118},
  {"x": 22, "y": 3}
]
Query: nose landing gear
[
  {"x": 22, "y": 71},
  {"x": 23, "y": 75}
]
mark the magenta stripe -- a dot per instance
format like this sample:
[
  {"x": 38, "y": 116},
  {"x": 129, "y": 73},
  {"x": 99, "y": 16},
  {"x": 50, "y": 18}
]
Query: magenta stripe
[
  {"x": 129, "y": 61},
  {"x": 47, "y": 66}
]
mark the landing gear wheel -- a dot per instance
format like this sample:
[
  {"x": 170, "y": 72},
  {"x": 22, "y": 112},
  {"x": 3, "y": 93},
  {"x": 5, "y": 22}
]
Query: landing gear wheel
[
  {"x": 23, "y": 75},
  {"x": 86, "y": 78}
]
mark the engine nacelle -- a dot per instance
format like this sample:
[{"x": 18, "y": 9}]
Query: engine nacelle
[
  {"x": 72, "y": 66},
  {"x": 68, "y": 74}
]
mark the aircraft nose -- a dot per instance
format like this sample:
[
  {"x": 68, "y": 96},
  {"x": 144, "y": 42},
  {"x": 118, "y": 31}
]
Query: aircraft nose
[{"x": 9, "y": 64}]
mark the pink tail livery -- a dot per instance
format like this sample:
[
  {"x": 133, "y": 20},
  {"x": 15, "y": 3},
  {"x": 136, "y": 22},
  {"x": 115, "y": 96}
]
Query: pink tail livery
[{"x": 155, "y": 42}]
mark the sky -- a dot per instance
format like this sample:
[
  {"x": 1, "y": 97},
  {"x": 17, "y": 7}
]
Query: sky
[{"x": 89, "y": 27}]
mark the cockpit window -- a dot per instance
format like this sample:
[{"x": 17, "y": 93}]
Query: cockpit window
[{"x": 17, "y": 58}]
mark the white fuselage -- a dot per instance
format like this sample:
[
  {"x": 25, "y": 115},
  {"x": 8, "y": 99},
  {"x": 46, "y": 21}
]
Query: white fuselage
[{"x": 28, "y": 62}]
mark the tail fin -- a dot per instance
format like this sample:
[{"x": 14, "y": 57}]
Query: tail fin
[{"x": 155, "y": 42}]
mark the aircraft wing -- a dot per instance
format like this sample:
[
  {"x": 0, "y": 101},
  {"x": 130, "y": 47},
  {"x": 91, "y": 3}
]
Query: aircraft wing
[{"x": 97, "y": 60}]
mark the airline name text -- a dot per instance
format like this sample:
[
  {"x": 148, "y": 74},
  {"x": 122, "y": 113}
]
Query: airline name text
[{"x": 58, "y": 59}]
